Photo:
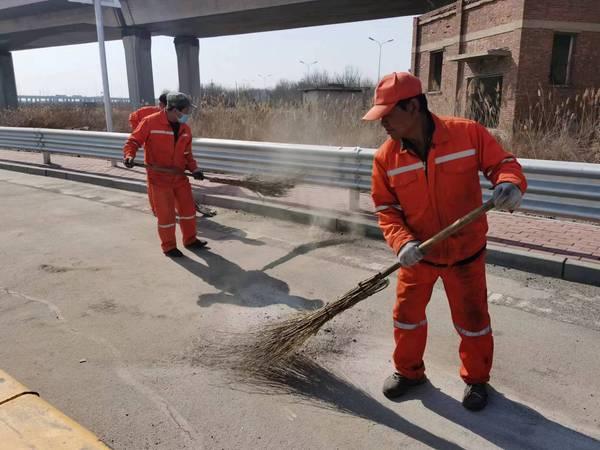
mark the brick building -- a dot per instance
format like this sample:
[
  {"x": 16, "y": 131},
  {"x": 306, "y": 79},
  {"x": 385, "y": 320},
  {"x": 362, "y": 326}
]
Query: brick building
[{"x": 486, "y": 59}]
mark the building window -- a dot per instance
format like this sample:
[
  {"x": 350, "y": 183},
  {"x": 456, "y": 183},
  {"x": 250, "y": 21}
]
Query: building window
[
  {"x": 435, "y": 71},
  {"x": 562, "y": 50},
  {"x": 484, "y": 100}
]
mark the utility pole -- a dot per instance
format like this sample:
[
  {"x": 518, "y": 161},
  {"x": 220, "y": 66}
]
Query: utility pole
[{"x": 381, "y": 44}]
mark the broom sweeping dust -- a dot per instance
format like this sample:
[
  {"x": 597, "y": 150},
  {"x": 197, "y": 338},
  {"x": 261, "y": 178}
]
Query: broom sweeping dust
[
  {"x": 271, "y": 346},
  {"x": 272, "y": 188}
]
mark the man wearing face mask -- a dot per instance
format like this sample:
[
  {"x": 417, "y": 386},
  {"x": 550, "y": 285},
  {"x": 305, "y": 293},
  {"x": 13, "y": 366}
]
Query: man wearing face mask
[
  {"x": 167, "y": 142},
  {"x": 425, "y": 177}
]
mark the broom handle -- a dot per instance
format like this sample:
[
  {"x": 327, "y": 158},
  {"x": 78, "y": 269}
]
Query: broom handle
[
  {"x": 449, "y": 230},
  {"x": 163, "y": 169},
  {"x": 169, "y": 170}
]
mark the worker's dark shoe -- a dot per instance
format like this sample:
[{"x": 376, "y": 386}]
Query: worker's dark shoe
[
  {"x": 475, "y": 397},
  {"x": 196, "y": 245},
  {"x": 396, "y": 384},
  {"x": 174, "y": 253}
]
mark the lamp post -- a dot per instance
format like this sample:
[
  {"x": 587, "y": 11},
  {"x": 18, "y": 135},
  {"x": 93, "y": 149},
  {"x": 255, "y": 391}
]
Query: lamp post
[
  {"x": 381, "y": 44},
  {"x": 308, "y": 68},
  {"x": 264, "y": 78}
]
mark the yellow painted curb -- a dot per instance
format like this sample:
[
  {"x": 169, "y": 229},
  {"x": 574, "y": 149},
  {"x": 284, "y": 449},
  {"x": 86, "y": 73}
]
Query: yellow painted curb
[
  {"x": 28, "y": 422},
  {"x": 11, "y": 388}
]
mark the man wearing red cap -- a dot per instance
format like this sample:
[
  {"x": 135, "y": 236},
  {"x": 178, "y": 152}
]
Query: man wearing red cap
[{"x": 426, "y": 176}]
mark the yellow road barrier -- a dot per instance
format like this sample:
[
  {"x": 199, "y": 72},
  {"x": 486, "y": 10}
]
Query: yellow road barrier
[{"x": 28, "y": 422}]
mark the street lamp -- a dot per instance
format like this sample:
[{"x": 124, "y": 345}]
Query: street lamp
[
  {"x": 381, "y": 44},
  {"x": 264, "y": 78},
  {"x": 308, "y": 68}
]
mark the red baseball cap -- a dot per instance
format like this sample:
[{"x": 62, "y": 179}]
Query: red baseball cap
[{"x": 391, "y": 89}]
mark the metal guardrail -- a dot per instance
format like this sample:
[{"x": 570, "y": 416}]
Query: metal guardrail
[
  {"x": 68, "y": 100},
  {"x": 555, "y": 187}
]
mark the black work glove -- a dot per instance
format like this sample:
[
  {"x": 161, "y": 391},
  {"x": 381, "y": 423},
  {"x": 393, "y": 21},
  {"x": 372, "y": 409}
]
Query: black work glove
[
  {"x": 198, "y": 174},
  {"x": 128, "y": 162}
]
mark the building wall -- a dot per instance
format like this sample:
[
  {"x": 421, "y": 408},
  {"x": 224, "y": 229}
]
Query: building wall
[
  {"x": 526, "y": 28},
  {"x": 563, "y": 10},
  {"x": 471, "y": 27},
  {"x": 543, "y": 18}
]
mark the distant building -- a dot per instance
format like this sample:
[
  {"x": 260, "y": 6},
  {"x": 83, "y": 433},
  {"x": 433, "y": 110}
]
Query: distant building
[
  {"x": 332, "y": 93},
  {"x": 486, "y": 59}
]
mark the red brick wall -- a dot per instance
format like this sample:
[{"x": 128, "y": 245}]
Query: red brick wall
[
  {"x": 493, "y": 14},
  {"x": 534, "y": 67},
  {"x": 438, "y": 30},
  {"x": 563, "y": 10},
  {"x": 529, "y": 65},
  {"x": 452, "y": 98},
  {"x": 507, "y": 67}
]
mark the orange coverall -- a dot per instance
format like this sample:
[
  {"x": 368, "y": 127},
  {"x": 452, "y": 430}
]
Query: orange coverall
[
  {"x": 414, "y": 200},
  {"x": 134, "y": 120},
  {"x": 169, "y": 191}
]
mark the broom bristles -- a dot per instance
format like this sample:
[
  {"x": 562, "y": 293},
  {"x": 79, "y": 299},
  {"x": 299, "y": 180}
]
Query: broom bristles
[
  {"x": 269, "y": 187},
  {"x": 277, "y": 341}
]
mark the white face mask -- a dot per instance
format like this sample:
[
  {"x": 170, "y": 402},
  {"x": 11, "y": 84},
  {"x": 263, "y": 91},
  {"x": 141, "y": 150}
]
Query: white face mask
[{"x": 183, "y": 118}]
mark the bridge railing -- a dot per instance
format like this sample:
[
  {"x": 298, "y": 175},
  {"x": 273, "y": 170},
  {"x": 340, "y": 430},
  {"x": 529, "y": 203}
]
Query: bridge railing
[{"x": 555, "y": 187}]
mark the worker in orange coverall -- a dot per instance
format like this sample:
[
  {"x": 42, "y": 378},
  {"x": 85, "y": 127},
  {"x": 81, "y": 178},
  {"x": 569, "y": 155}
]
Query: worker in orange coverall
[
  {"x": 167, "y": 142},
  {"x": 140, "y": 114},
  {"x": 426, "y": 176}
]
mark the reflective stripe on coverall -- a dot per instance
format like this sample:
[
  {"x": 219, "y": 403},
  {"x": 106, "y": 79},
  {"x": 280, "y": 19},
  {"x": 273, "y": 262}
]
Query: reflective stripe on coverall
[
  {"x": 414, "y": 200},
  {"x": 170, "y": 192}
]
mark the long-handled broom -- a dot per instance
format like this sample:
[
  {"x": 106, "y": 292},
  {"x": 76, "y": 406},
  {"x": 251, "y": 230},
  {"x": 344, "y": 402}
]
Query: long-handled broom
[
  {"x": 272, "y": 188},
  {"x": 277, "y": 341}
]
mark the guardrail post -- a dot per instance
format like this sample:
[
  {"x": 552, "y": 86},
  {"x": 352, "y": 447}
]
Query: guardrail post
[
  {"x": 45, "y": 155},
  {"x": 354, "y": 199}
]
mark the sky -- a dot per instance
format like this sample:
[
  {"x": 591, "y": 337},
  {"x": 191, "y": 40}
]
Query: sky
[{"x": 226, "y": 60}]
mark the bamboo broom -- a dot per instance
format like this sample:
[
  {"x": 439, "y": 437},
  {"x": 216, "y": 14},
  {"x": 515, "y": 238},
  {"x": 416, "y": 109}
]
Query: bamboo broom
[{"x": 275, "y": 342}]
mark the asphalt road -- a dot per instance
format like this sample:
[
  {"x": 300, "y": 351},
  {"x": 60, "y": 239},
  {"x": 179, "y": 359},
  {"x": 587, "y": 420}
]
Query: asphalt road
[{"x": 111, "y": 332}]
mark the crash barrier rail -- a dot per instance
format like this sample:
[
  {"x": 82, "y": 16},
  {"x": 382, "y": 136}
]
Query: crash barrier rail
[
  {"x": 68, "y": 100},
  {"x": 555, "y": 187}
]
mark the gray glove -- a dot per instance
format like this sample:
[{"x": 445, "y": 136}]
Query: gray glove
[
  {"x": 410, "y": 254},
  {"x": 507, "y": 196}
]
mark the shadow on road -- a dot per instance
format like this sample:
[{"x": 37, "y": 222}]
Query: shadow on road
[
  {"x": 209, "y": 229},
  {"x": 309, "y": 382},
  {"x": 505, "y": 423},
  {"x": 308, "y": 247},
  {"x": 251, "y": 288}
]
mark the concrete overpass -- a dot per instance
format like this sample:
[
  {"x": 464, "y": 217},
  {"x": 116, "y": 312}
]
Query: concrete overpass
[{"x": 29, "y": 24}]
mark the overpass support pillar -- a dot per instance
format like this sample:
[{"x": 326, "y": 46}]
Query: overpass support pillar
[
  {"x": 138, "y": 57},
  {"x": 188, "y": 65},
  {"x": 8, "y": 86}
]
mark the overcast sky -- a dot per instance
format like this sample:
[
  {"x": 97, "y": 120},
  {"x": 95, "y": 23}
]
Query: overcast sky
[{"x": 75, "y": 69}]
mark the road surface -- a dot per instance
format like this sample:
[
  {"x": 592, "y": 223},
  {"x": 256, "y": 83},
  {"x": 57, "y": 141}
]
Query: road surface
[{"x": 111, "y": 332}]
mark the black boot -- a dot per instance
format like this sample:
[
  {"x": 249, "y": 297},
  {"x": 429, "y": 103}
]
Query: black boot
[
  {"x": 174, "y": 253},
  {"x": 396, "y": 384},
  {"x": 475, "y": 397},
  {"x": 196, "y": 245}
]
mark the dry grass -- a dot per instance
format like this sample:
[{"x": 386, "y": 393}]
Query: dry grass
[
  {"x": 551, "y": 128},
  {"x": 565, "y": 130},
  {"x": 336, "y": 124},
  {"x": 64, "y": 117}
]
